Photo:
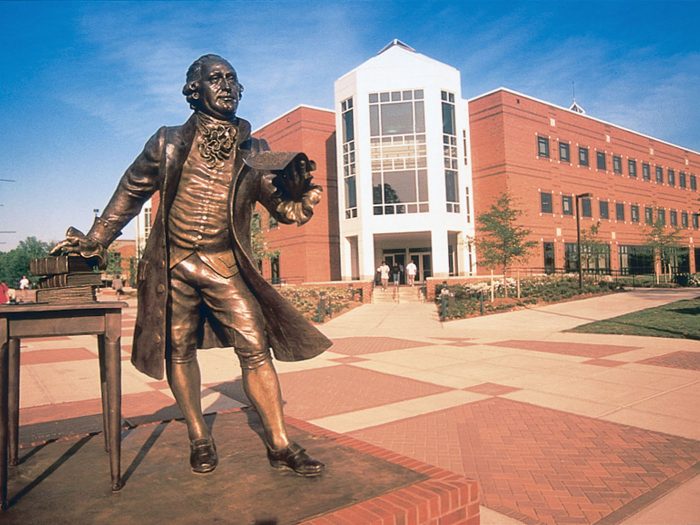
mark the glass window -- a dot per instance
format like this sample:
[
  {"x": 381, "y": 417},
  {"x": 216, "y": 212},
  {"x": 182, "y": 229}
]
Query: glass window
[
  {"x": 564, "y": 155},
  {"x": 600, "y": 160},
  {"x": 684, "y": 219},
  {"x": 586, "y": 210},
  {"x": 567, "y": 204},
  {"x": 350, "y": 193},
  {"x": 451, "y": 185},
  {"x": 671, "y": 177},
  {"x": 634, "y": 213},
  {"x": 673, "y": 216},
  {"x": 604, "y": 208},
  {"x": 646, "y": 171},
  {"x": 649, "y": 215},
  {"x": 543, "y": 146},
  {"x": 583, "y": 156},
  {"x": 619, "y": 211},
  {"x": 661, "y": 216},
  {"x": 397, "y": 119},
  {"x": 682, "y": 180},
  {"x": 617, "y": 164},
  {"x": 632, "y": 168},
  {"x": 693, "y": 183},
  {"x": 546, "y": 202},
  {"x": 659, "y": 175},
  {"x": 348, "y": 126},
  {"x": 696, "y": 224},
  {"x": 548, "y": 249},
  {"x": 448, "y": 119}
]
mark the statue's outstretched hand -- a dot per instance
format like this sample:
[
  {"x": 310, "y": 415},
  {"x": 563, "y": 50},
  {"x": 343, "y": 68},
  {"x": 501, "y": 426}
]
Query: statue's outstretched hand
[
  {"x": 301, "y": 194},
  {"x": 77, "y": 242}
]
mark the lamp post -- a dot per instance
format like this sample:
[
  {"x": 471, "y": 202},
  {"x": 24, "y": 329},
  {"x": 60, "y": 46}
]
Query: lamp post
[{"x": 578, "y": 237}]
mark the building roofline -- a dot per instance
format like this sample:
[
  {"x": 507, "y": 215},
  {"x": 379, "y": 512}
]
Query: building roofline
[
  {"x": 582, "y": 115},
  {"x": 307, "y": 106}
]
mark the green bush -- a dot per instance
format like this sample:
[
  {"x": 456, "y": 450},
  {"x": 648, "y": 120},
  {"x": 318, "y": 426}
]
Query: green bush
[
  {"x": 464, "y": 299},
  {"x": 306, "y": 300}
]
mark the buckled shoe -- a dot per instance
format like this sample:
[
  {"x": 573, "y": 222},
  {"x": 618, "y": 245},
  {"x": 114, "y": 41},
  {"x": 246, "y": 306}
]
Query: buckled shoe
[
  {"x": 203, "y": 457},
  {"x": 295, "y": 458}
]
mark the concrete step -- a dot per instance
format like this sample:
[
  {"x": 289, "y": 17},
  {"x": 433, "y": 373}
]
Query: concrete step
[{"x": 404, "y": 294}]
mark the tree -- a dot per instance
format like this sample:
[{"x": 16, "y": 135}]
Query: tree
[
  {"x": 591, "y": 247},
  {"x": 15, "y": 263},
  {"x": 664, "y": 244},
  {"x": 258, "y": 242},
  {"x": 500, "y": 240},
  {"x": 114, "y": 263}
]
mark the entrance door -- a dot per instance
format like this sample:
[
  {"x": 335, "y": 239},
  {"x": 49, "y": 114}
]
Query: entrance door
[
  {"x": 424, "y": 263},
  {"x": 400, "y": 259}
]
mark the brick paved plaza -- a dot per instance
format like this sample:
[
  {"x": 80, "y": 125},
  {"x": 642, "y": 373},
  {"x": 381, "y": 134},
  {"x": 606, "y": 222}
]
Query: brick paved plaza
[{"x": 556, "y": 427}]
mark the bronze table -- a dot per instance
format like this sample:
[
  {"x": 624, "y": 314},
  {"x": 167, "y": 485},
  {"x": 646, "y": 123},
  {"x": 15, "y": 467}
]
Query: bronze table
[{"x": 45, "y": 320}]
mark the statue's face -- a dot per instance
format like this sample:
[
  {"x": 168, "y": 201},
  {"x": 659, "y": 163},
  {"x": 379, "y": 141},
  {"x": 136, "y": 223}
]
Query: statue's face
[{"x": 218, "y": 92}]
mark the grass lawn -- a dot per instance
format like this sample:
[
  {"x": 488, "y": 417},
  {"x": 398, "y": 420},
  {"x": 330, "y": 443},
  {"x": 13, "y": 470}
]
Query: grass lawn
[{"x": 678, "y": 320}]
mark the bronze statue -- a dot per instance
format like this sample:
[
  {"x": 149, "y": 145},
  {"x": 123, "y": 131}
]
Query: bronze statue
[{"x": 198, "y": 286}]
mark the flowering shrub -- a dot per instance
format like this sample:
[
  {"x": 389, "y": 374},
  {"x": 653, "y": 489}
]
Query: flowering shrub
[
  {"x": 307, "y": 299},
  {"x": 473, "y": 298}
]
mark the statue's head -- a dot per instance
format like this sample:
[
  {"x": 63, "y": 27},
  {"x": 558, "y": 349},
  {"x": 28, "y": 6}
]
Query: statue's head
[{"x": 212, "y": 87}]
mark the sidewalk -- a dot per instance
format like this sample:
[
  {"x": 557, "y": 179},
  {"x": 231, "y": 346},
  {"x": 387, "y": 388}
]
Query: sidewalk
[{"x": 557, "y": 427}]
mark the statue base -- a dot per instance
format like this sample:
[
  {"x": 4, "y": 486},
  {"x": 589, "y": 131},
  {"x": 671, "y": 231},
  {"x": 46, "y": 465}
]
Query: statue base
[{"x": 67, "y": 481}]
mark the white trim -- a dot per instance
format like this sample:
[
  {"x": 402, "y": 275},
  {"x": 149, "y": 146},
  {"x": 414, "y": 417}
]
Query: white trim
[
  {"x": 307, "y": 106},
  {"x": 580, "y": 115}
]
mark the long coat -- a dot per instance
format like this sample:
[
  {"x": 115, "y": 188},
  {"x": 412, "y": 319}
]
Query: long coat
[{"x": 158, "y": 168}]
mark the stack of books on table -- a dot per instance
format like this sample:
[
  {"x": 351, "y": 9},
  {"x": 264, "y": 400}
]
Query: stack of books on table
[{"x": 65, "y": 279}]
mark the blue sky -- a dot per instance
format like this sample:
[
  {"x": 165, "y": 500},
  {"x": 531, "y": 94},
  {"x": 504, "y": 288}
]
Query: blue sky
[{"x": 86, "y": 83}]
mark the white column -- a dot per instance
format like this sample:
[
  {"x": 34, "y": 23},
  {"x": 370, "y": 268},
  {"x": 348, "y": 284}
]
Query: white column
[
  {"x": 440, "y": 253},
  {"x": 366, "y": 256}
]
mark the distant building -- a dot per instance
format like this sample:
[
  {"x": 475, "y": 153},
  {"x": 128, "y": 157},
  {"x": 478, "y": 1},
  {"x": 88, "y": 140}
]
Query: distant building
[
  {"x": 403, "y": 151},
  {"x": 309, "y": 253},
  {"x": 545, "y": 155},
  {"x": 407, "y": 166}
]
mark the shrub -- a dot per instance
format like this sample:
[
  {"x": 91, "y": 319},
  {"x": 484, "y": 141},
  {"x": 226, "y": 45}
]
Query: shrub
[{"x": 307, "y": 299}]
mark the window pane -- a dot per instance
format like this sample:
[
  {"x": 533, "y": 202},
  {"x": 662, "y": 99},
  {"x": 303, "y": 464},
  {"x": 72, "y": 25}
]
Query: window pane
[
  {"x": 620, "y": 211},
  {"x": 376, "y": 188},
  {"x": 600, "y": 160},
  {"x": 348, "y": 127},
  {"x": 422, "y": 185},
  {"x": 397, "y": 119},
  {"x": 420, "y": 118},
  {"x": 586, "y": 207},
  {"x": 567, "y": 205},
  {"x": 374, "y": 121},
  {"x": 564, "y": 152},
  {"x": 604, "y": 210},
  {"x": 451, "y": 185},
  {"x": 399, "y": 186},
  {"x": 448, "y": 119},
  {"x": 350, "y": 193},
  {"x": 546, "y": 202},
  {"x": 583, "y": 156}
]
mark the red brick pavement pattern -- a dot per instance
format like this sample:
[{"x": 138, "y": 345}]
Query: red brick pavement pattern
[
  {"x": 566, "y": 348},
  {"x": 132, "y": 405},
  {"x": 327, "y": 391},
  {"x": 491, "y": 389},
  {"x": 681, "y": 359},
  {"x": 372, "y": 345},
  {"x": 540, "y": 465},
  {"x": 442, "y": 499},
  {"x": 58, "y": 355},
  {"x": 610, "y": 363}
]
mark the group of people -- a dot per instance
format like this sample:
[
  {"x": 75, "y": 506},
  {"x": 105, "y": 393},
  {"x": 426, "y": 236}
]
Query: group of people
[{"x": 395, "y": 271}]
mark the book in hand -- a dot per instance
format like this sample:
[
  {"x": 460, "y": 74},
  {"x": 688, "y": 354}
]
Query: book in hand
[{"x": 59, "y": 264}]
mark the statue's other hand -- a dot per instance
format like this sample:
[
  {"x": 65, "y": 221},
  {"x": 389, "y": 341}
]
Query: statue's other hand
[
  {"x": 297, "y": 177},
  {"x": 77, "y": 242}
]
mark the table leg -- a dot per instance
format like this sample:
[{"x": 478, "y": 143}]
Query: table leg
[
  {"x": 13, "y": 399},
  {"x": 113, "y": 364},
  {"x": 103, "y": 389},
  {"x": 4, "y": 366}
]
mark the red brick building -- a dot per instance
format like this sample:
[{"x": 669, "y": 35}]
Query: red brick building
[
  {"x": 309, "y": 253},
  {"x": 545, "y": 155}
]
